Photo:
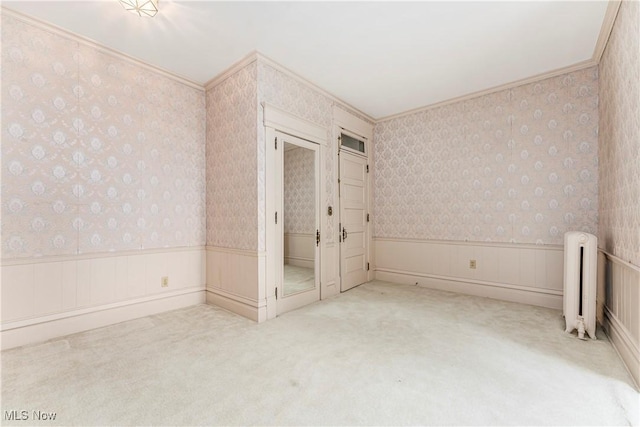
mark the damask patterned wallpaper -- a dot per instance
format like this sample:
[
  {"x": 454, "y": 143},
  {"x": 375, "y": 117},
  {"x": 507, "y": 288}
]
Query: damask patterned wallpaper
[
  {"x": 98, "y": 153},
  {"x": 620, "y": 137},
  {"x": 232, "y": 174},
  {"x": 281, "y": 90},
  {"x": 299, "y": 191},
  {"x": 518, "y": 165}
]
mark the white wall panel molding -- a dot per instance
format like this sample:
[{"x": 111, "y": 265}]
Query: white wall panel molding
[
  {"x": 619, "y": 305},
  {"x": 623, "y": 344},
  {"x": 96, "y": 255},
  {"x": 472, "y": 243},
  {"x": 97, "y": 46},
  {"x": 31, "y": 291},
  {"x": 235, "y": 281},
  {"x": 19, "y": 333},
  {"x": 527, "y": 274}
]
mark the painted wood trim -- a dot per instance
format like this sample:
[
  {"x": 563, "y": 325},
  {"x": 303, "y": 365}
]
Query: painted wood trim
[
  {"x": 285, "y": 122},
  {"x": 623, "y": 344},
  {"x": 236, "y": 297},
  {"x": 18, "y": 333},
  {"x": 279, "y": 67},
  {"x": 245, "y": 307},
  {"x": 248, "y": 59},
  {"x": 605, "y": 31},
  {"x": 244, "y": 252},
  {"x": 499, "y": 291},
  {"x": 5, "y": 326},
  {"x": 351, "y": 123},
  {"x": 96, "y": 255},
  {"x": 532, "y": 79},
  {"x": 471, "y": 243},
  {"x": 54, "y": 29},
  {"x": 472, "y": 281},
  {"x": 620, "y": 261}
]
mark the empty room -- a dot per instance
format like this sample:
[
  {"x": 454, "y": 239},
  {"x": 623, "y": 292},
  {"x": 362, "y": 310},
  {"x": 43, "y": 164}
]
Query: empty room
[{"x": 320, "y": 213}]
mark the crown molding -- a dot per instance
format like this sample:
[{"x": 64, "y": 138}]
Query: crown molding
[
  {"x": 605, "y": 31},
  {"x": 536, "y": 78},
  {"x": 273, "y": 64},
  {"x": 248, "y": 59},
  {"x": 59, "y": 31}
]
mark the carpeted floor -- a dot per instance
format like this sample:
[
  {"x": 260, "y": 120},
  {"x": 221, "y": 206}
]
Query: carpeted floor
[{"x": 380, "y": 354}]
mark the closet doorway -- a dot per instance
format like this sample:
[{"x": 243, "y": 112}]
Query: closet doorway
[{"x": 298, "y": 229}]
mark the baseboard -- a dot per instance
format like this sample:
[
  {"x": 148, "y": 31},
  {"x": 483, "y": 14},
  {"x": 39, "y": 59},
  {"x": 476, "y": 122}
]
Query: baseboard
[
  {"x": 623, "y": 344},
  {"x": 520, "y": 294},
  {"x": 300, "y": 262},
  {"x": 245, "y": 307},
  {"x": 24, "y": 332}
]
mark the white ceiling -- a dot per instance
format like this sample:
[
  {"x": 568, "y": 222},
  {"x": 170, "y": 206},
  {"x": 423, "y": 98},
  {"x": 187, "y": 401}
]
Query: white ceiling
[{"x": 381, "y": 57}]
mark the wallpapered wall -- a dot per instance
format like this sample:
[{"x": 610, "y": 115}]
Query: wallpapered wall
[
  {"x": 620, "y": 137},
  {"x": 232, "y": 175},
  {"x": 98, "y": 154},
  {"x": 281, "y": 90},
  {"x": 518, "y": 165},
  {"x": 299, "y": 191}
]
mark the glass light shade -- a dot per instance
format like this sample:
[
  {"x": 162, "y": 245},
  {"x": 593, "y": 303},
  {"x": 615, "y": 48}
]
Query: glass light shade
[{"x": 141, "y": 7}]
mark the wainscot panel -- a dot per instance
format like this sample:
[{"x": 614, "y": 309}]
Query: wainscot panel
[
  {"x": 529, "y": 274},
  {"x": 44, "y": 298}
]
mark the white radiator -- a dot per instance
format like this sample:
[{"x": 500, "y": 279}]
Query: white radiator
[{"x": 580, "y": 263}]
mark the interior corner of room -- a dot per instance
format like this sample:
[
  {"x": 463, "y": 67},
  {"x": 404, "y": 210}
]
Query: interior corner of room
[{"x": 130, "y": 190}]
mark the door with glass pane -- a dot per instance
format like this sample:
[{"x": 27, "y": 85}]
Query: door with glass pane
[
  {"x": 299, "y": 230},
  {"x": 353, "y": 185}
]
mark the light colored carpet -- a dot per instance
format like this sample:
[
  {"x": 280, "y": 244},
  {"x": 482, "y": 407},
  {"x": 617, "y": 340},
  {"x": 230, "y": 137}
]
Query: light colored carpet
[
  {"x": 380, "y": 354},
  {"x": 297, "y": 279}
]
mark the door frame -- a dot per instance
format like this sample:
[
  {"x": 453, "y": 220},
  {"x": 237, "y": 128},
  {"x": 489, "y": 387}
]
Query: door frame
[
  {"x": 278, "y": 120},
  {"x": 343, "y": 121}
]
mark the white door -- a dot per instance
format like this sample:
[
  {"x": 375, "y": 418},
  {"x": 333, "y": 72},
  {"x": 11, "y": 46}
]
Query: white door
[
  {"x": 353, "y": 220},
  {"x": 298, "y": 223}
]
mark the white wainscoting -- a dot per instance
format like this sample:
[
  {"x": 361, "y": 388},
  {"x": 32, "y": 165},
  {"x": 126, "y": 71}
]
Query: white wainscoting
[
  {"x": 299, "y": 249},
  {"x": 529, "y": 274},
  {"x": 235, "y": 281},
  {"x": 619, "y": 308},
  {"x": 330, "y": 280},
  {"x": 43, "y": 298}
]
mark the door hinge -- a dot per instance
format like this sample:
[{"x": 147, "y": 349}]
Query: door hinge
[
  {"x": 276, "y": 142},
  {"x": 276, "y": 217},
  {"x": 317, "y": 237},
  {"x": 367, "y": 266},
  {"x": 339, "y": 232},
  {"x": 367, "y": 168},
  {"x": 276, "y": 292},
  {"x": 367, "y": 217}
]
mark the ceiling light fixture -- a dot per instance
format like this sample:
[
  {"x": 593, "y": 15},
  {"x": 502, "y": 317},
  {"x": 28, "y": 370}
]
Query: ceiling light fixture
[{"x": 141, "y": 7}]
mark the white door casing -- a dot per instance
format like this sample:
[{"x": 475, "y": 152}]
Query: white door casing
[
  {"x": 275, "y": 121},
  {"x": 353, "y": 233}
]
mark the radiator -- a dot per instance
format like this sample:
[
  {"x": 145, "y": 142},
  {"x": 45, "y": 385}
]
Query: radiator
[{"x": 580, "y": 264}]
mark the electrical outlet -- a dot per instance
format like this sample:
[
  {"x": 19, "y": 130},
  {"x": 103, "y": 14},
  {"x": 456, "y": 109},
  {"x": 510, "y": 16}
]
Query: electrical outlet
[
  {"x": 472, "y": 263},
  {"x": 164, "y": 281}
]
